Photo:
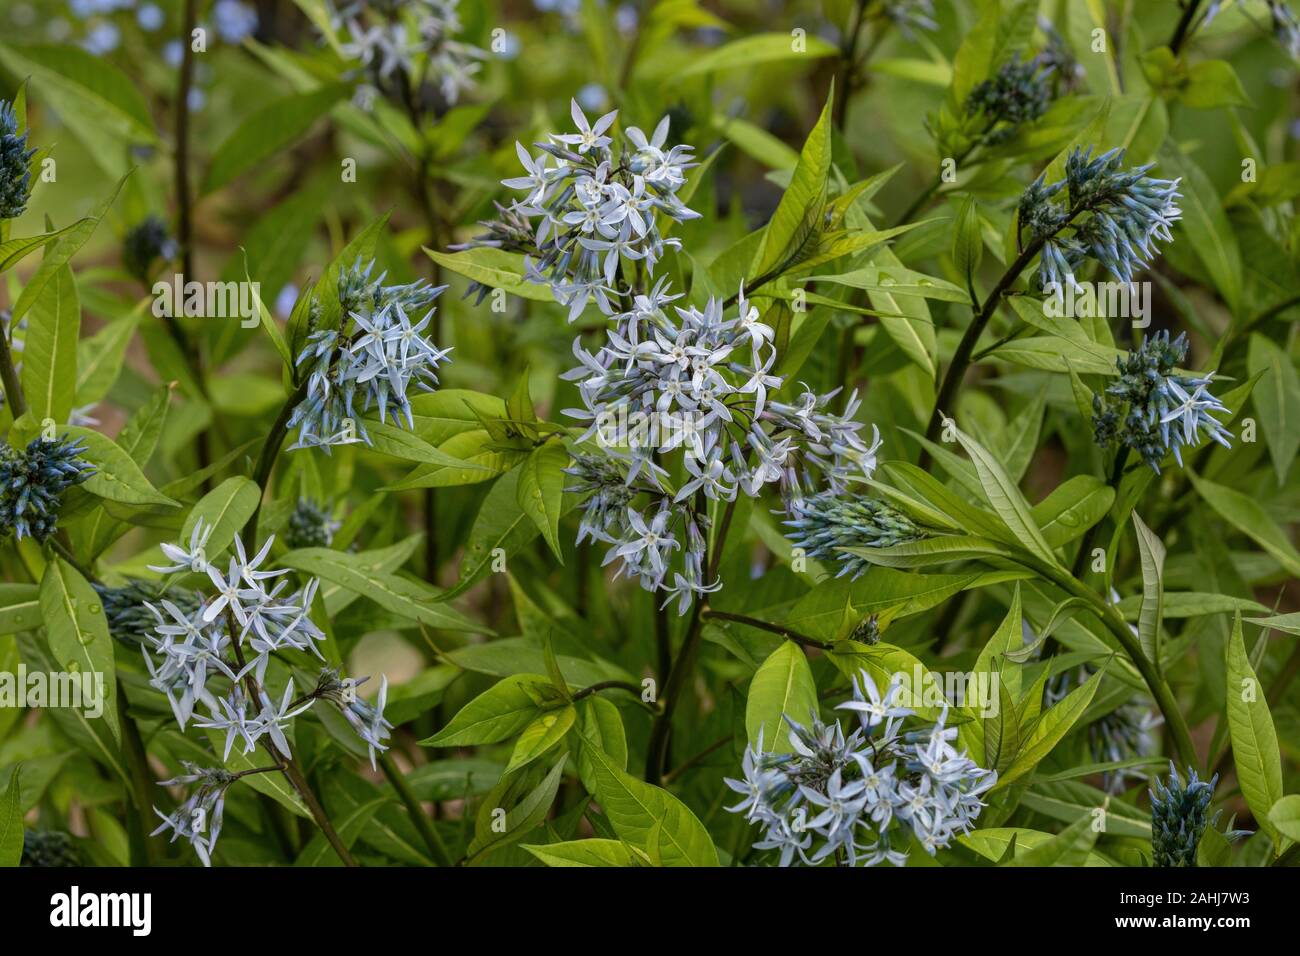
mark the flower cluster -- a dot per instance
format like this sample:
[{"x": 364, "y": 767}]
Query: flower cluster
[
  {"x": 1019, "y": 93},
  {"x": 198, "y": 818},
  {"x": 861, "y": 798},
  {"x": 666, "y": 379},
  {"x": 1179, "y": 816},
  {"x": 825, "y": 523},
  {"x": 366, "y": 719},
  {"x": 699, "y": 383},
  {"x": 596, "y": 208},
  {"x": 32, "y": 483},
  {"x": 379, "y": 351},
  {"x": 146, "y": 243},
  {"x": 310, "y": 526},
  {"x": 1113, "y": 215},
  {"x": 1152, "y": 409},
  {"x": 15, "y": 177},
  {"x": 400, "y": 45},
  {"x": 244, "y": 616}
]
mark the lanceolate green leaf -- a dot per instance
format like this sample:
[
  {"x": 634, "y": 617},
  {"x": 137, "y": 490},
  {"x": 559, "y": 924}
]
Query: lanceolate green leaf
[
  {"x": 501, "y": 529},
  {"x": 1205, "y": 224},
  {"x": 223, "y": 511},
  {"x": 96, "y": 101},
  {"x": 76, "y": 631},
  {"x": 544, "y": 732},
  {"x": 649, "y": 817},
  {"x": 782, "y": 686},
  {"x": 590, "y": 852},
  {"x": 494, "y": 268},
  {"x": 403, "y": 596},
  {"x": 58, "y": 255},
  {"x": 1151, "y": 617},
  {"x": 100, "y": 357},
  {"x": 524, "y": 808},
  {"x": 540, "y": 491},
  {"x": 1254, "y": 740},
  {"x": 797, "y": 217},
  {"x": 1277, "y": 396},
  {"x": 1072, "y": 508},
  {"x": 747, "y": 52},
  {"x": 93, "y": 735},
  {"x": 50, "y": 350},
  {"x": 11, "y": 821},
  {"x": 117, "y": 477},
  {"x": 388, "y": 439},
  {"x": 1247, "y": 515},
  {"x": 905, "y": 318},
  {"x": 1007, "y": 500},
  {"x": 967, "y": 240},
  {"x": 13, "y": 251},
  {"x": 497, "y": 714},
  {"x": 19, "y": 607},
  {"x": 1285, "y": 817},
  {"x": 1070, "y": 847}
]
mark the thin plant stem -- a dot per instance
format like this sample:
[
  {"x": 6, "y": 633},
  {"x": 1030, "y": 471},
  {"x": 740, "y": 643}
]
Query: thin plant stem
[
  {"x": 684, "y": 664},
  {"x": 788, "y": 633},
  {"x": 9, "y": 378},
  {"x": 962, "y": 357},
  {"x": 423, "y": 825},
  {"x": 266, "y": 460},
  {"x": 185, "y": 212},
  {"x": 1184, "y": 28},
  {"x": 965, "y": 348},
  {"x": 287, "y": 764},
  {"x": 847, "y": 66}
]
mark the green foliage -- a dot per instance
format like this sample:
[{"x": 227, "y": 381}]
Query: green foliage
[{"x": 911, "y": 474}]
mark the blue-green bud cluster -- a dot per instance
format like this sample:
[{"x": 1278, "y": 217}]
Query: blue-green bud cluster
[
  {"x": 32, "y": 483},
  {"x": 15, "y": 175},
  {"x": 825, "y": 523},
  {"x": 310, "y": 526},
  {"x": 1020, "y": 92},
  {"x": 147, "y": 242},
  {"x": 1179, "y": 816},
  {"x": 46, "y": 849}
]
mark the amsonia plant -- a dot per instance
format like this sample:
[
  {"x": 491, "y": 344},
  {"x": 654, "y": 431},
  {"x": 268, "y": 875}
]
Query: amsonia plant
[{"x": 835, "y": 433}]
